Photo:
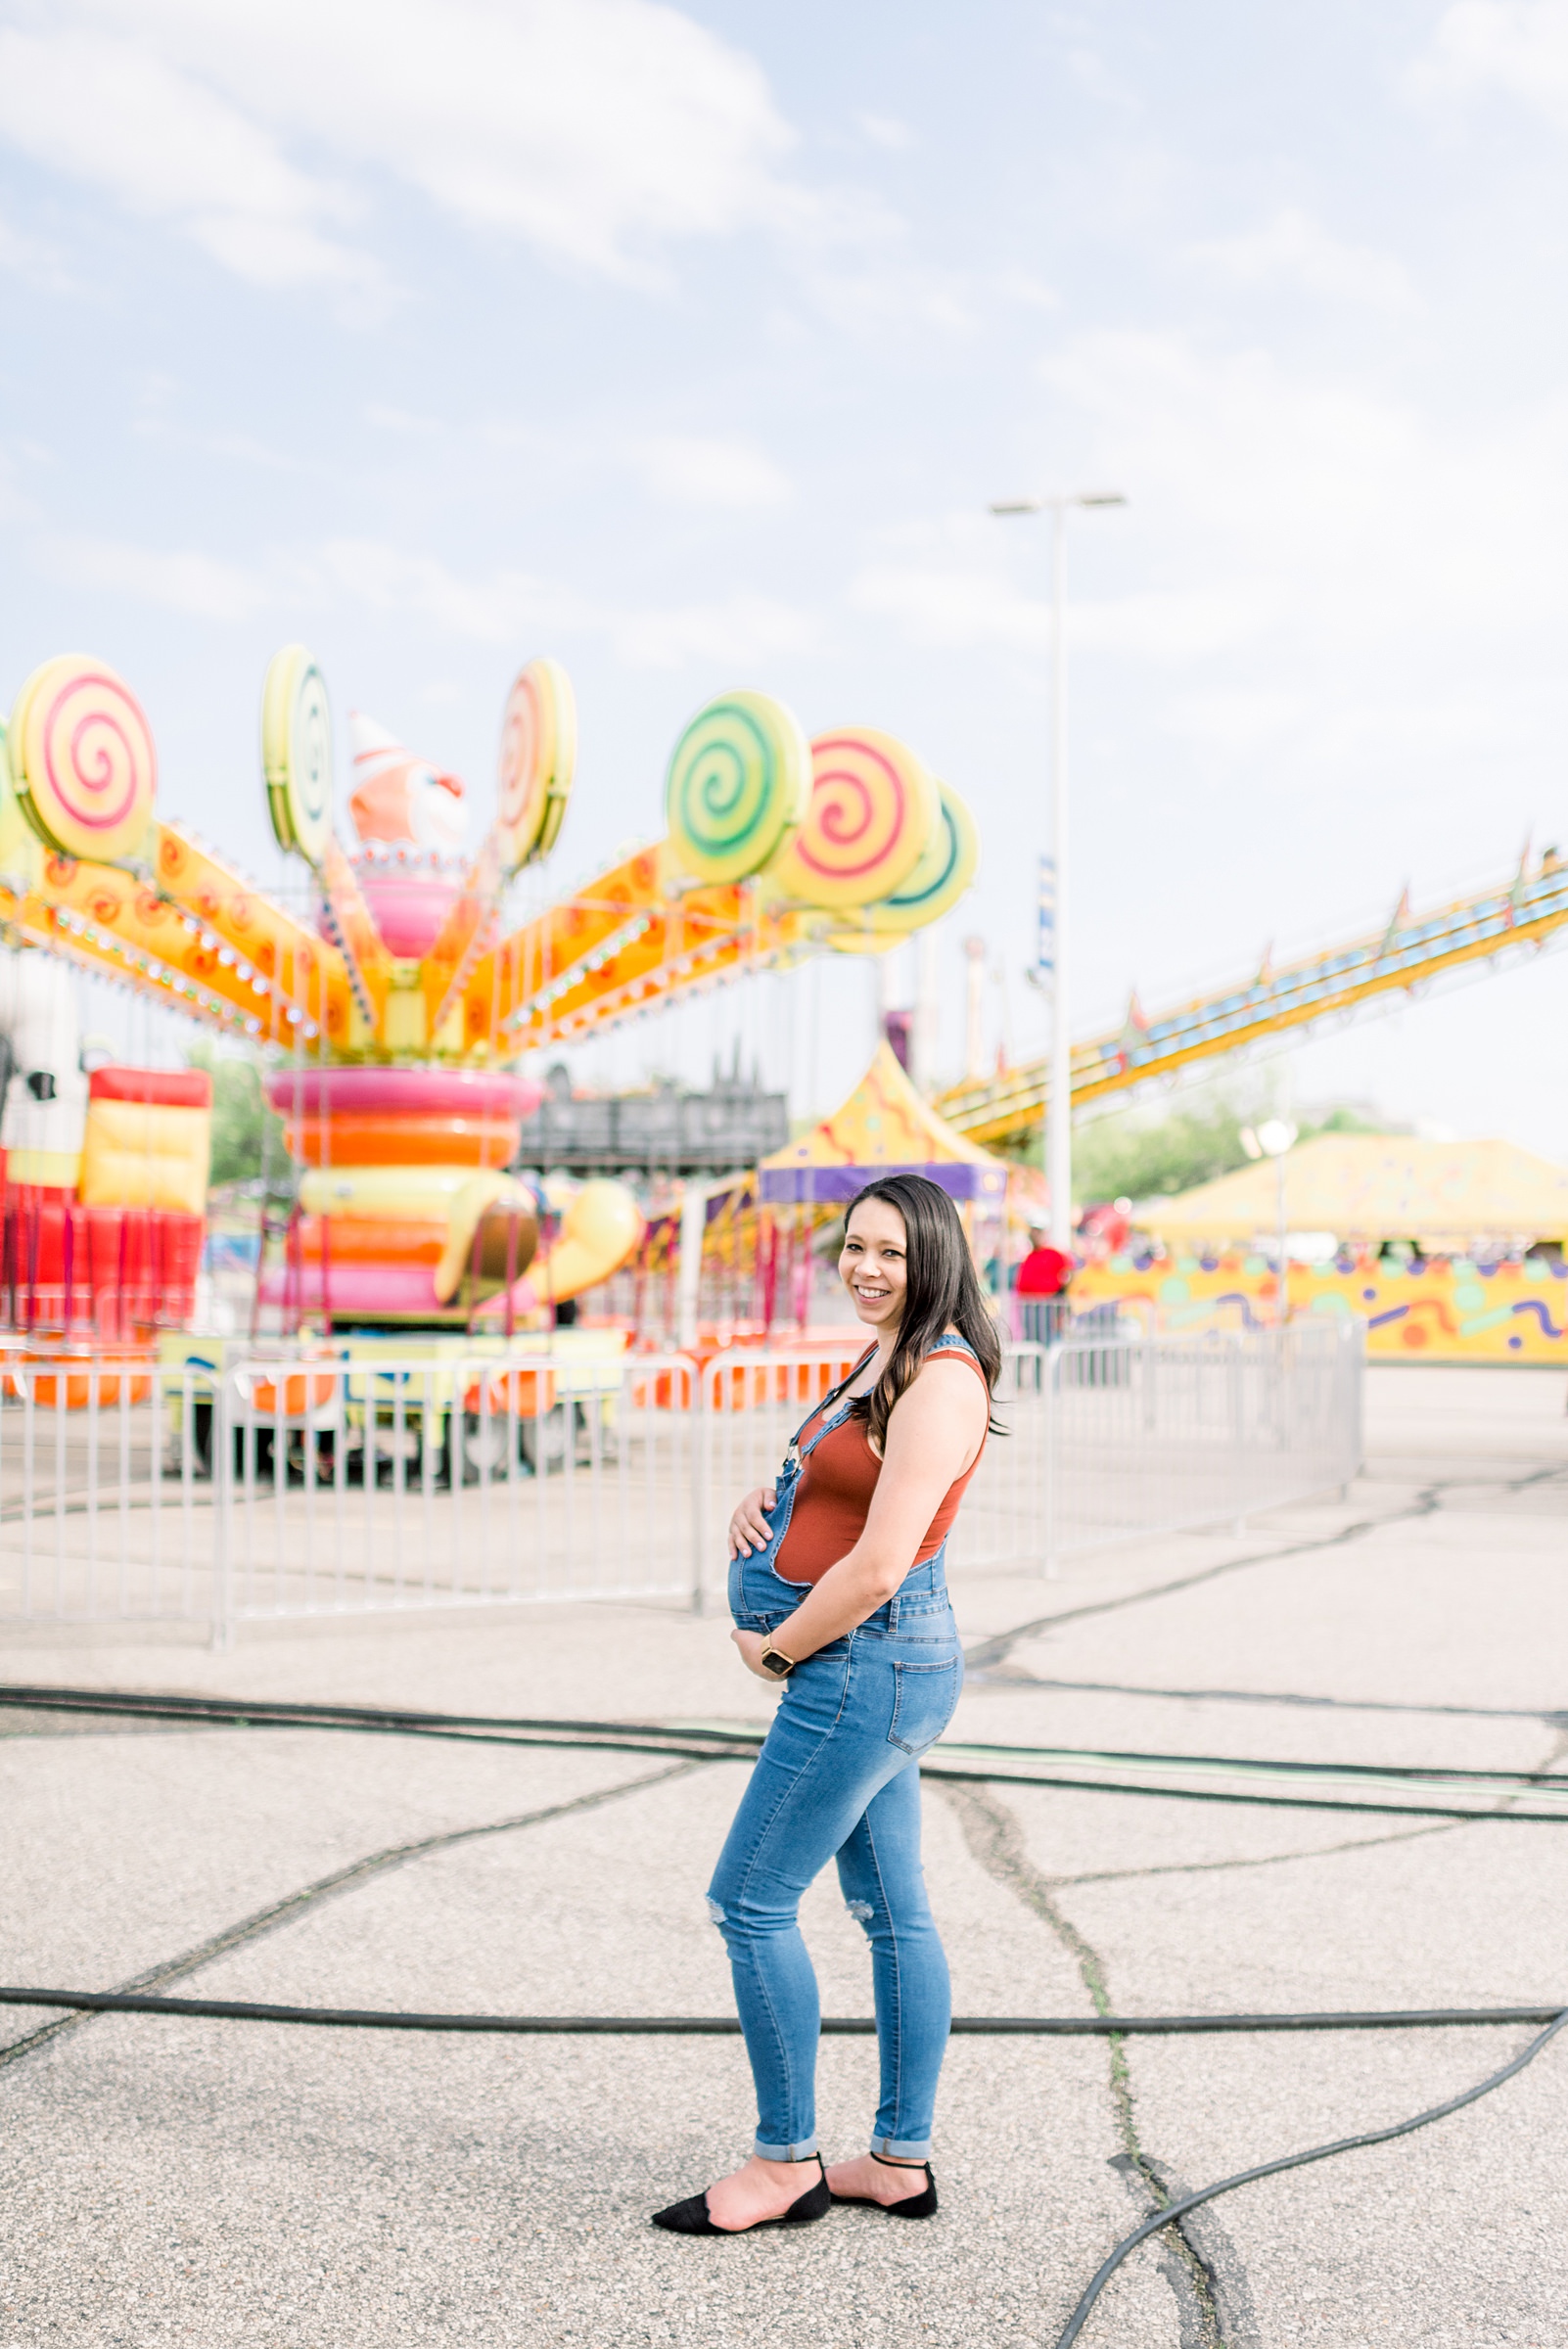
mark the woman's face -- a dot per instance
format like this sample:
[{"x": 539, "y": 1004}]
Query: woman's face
[{"x": 873, "y": 1264}]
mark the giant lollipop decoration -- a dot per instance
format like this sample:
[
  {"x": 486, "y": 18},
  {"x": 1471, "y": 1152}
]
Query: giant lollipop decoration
[
  {"x": 82, "y": 760},
  {"x": 297, "y": 753},
  {"x": 738, "y": 783},
  {"x": 935, "y": 884},
  {"x": 539, "y": 758},
  {"x": 873, "y": 812}
]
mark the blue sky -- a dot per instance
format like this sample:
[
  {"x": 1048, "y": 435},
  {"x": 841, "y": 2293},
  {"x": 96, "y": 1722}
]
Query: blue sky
[{"x": 689, "y": 344}]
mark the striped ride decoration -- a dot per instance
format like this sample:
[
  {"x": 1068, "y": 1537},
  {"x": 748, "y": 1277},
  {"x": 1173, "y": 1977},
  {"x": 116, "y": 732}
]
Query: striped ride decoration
[
  {"x": 81, "y": 756},
  {"x": 874, "y": 810},
  {"x": 297, "y": 753},
  {"x": 539, "y": 758}
]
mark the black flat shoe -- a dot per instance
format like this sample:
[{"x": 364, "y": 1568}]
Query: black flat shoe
[
  {"x": 913, "y": 2206},
  {"x": 691, "y": 2217}
]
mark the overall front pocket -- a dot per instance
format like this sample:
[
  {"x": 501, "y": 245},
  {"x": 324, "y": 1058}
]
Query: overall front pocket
[{"x": 924, "y": 1700}]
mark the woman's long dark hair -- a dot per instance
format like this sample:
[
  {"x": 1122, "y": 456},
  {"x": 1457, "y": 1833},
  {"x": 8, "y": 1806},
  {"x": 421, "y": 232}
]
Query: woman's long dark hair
[{"x": 942, "y": 1292}]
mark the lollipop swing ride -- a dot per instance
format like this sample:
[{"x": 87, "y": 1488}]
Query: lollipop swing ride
[{"x": 395, "y": 1021}]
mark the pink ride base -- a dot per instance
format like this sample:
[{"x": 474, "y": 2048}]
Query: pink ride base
[{"x": 376, "y": 1293}]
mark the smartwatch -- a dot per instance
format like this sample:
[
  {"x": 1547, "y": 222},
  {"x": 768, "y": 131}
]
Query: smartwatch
[{"x": 773, "y": 1660}]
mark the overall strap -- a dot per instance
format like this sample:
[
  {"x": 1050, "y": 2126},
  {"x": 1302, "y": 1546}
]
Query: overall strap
[{"x": 831, "y": 1397}]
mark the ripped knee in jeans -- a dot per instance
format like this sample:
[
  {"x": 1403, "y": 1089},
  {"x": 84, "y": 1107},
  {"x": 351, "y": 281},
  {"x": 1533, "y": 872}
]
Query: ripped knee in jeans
[
  {"x": 861, "y": 1912},
  {"x": 715, "y": 1911}
]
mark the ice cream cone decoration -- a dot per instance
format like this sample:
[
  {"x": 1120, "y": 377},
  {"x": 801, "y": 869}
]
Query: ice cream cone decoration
[{"x": 398, "y": 800}]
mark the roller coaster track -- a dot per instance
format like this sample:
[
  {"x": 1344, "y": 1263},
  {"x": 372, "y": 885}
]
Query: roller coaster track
[{"x": 1367, "y": 973}]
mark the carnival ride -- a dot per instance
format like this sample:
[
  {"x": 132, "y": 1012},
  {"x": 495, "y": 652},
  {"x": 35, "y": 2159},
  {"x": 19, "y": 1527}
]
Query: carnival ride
[
  {"x": 1364, "y": 972},
  {"x": 394, "y": 1019}
]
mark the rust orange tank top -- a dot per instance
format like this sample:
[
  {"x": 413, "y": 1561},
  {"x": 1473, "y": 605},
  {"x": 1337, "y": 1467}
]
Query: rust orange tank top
[{"x": 837, "y": 1480}]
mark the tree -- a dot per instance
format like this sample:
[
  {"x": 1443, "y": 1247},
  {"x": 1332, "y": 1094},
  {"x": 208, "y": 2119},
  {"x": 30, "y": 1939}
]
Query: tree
[
  {"x": 239, "y": 1116},
  {"x": 1132, "y": 1155}
]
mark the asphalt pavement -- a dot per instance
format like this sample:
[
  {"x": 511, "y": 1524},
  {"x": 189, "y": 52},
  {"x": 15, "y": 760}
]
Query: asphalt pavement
[{"x": 168, "y": 2181}]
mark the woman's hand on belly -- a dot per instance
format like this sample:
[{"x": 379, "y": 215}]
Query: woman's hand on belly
[
  {"x": 750, "y": 1646},
  {"x": 749, "y": 1529}
]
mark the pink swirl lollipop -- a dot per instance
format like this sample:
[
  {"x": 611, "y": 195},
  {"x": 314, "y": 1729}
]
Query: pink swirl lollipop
[
  {"x": 538, "y": 753},
  {"x": 82, "y": 757},
  {"x": 873, "y": 812}
]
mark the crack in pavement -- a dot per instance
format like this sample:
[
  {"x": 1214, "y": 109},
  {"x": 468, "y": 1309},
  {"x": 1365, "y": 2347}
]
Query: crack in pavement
[
  {"x": 1543, "y": 1772},
  {"x": 294, "y": 1905},
  {"x": 995, "y": 1841},
  {"x": 1428, "y": 1503},
  {"x": 1321, "y": 1851}
]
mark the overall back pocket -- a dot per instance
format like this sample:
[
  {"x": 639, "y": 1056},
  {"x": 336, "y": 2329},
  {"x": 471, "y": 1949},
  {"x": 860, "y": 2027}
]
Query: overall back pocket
[{"x": 924, "y": 1701}]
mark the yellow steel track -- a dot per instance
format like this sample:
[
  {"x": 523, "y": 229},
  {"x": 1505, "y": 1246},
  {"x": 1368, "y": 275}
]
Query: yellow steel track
[{"x": 1412, "y": 948}]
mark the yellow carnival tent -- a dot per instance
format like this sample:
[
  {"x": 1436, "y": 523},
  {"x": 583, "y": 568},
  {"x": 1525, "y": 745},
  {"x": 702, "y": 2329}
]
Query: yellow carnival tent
[
  {"x": 1447, "y": 1196},
  {"x": 885, "y": 1128}
]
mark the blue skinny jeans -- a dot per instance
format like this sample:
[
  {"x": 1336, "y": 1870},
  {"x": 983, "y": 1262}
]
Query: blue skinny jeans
[{"x": 839, "y": 1777}]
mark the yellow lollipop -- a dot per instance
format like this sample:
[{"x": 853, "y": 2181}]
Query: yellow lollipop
[
  {"x": 872, "y": 814},
  {"x": 933, "y": 888},
  {"x": 297, "y": 753},
  {"x": 539, "y": 758},
  {"x": 738, "y": 783},
  {"x": 81, "y": 758}
]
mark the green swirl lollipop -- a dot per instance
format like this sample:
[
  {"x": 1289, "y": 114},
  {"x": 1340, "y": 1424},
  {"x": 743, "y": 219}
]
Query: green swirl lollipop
[
  {"x": 939, "y": 879},
  {"x": 739, "y": 781}
]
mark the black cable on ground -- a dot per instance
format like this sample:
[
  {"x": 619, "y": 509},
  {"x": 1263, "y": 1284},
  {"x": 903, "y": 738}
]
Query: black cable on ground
[
  {"x": 727, "y": 2026},
  {"x": 702, "y": 1743},
  {"x": 698, "y": 1742},
  {"x": 1294, "y": 2161}
]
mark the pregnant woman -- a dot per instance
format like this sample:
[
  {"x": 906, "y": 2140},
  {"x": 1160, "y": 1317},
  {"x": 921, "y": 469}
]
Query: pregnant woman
[{"x": 837, "y": 1595}]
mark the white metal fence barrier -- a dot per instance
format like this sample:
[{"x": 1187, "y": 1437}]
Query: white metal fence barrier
[
  {"x": 1161, "y": 1434},
  {"x": 322, "y": 1486}
]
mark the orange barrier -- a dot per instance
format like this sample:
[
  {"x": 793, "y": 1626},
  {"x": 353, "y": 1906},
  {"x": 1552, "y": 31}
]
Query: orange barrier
[
  {"x": 526, "y": 1393},
  {"x": 748, "y": 1386},
  {"x": 95, "y": 1383},
  {"x": 301, "y": 1391},
  {"x": 663, "y": 1390}
]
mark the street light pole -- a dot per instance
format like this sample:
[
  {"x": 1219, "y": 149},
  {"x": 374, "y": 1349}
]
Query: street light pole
[
  {"x": 1058, "y": 1150},
  {"x": 1059, "y": 1120}
]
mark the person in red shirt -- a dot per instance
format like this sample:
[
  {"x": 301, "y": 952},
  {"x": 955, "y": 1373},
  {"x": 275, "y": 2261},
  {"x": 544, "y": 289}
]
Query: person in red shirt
[
  {"x": 1043, "y": 1281},
  {"x": 1045, "y": 1270}
]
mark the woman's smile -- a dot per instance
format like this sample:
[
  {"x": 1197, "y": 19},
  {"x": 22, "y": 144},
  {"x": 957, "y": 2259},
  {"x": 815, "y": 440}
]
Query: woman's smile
[{"x": 873, "y": 1262}]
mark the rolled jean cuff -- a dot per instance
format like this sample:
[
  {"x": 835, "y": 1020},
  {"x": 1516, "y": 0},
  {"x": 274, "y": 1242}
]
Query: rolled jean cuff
[
  {"x": 799, "y": 2153},
  {"x": 902, "y": 2149}
]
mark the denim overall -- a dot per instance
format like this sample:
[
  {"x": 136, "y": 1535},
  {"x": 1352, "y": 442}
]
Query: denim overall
[{"x": 835, "y": 1778}]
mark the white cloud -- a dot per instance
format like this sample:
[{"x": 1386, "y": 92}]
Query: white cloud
[
  {"x": 198, "y": 585},
  {"x": 1294, "y": 250},
  {"x": 952, "y": 606},
  {"x": 961, "y": 606},
  {"x": 884, "y": 130},
  {"x": 1518, "y": 47},
  {"x": 741, "y": 632},
  {"x": 594, "y": 129},
  {"x": 108, "y": 111},
  {"x": 1026, "y": 289},
  {"x": 27, "y": 257},
  {"x": 1238, "y": 721},
  {"x": 510, "y": 606},
  {"x": 689, "y": 469},
  {"x": 386, "y": 578}
]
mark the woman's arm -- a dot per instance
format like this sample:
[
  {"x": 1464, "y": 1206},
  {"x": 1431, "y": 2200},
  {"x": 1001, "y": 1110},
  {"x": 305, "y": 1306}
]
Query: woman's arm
[{"x": 936, "y": 1428}]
